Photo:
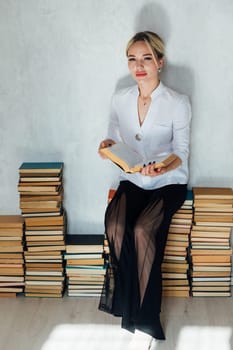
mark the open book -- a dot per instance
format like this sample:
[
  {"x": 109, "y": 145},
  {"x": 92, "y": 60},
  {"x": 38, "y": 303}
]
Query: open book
[{"x": 130, "y": 161}]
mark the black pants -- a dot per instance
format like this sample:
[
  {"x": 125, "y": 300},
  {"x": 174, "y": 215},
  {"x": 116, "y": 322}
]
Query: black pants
[{"x": 136, "y": 224}]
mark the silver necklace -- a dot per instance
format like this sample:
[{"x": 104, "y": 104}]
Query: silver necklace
[{"x": 144, "y": 100}]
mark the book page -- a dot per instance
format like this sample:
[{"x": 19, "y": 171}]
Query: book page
[
  {"x": 130, "y": 161},
  {"x": 124, "y": 152}
]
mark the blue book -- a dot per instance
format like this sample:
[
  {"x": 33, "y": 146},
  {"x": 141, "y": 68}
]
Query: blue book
[
  {"x": 41, "y": 167},
  {"x": 189, "y": 195}
]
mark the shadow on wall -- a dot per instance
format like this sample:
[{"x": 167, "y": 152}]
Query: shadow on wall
[{"x": 154, "y": 17}]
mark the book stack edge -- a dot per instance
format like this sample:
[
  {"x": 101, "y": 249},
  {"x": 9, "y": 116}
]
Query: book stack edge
[
  {"x": 211, "y": 251},
  {"x": 85, "y": 265},
  {"x": 175, "y": 264},
  {"x": 41, "y": 203},
  {"x": 11, "y": 256}
]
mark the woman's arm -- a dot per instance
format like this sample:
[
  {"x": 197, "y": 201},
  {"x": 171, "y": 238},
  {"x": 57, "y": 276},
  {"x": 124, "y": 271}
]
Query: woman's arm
[
  {"x": 113, "y": 134},
  {"x": 181, "y": 129},
  {"x": 180, "y": 139},
  {"x": 113, "y": 126}
]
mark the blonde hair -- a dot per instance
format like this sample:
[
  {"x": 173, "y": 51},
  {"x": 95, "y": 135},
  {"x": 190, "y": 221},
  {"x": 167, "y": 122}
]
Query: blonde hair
[{"x": 154, "y": 41}]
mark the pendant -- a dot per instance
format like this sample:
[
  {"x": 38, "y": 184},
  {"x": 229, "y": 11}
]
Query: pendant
[{"x": 138, "y": 137}]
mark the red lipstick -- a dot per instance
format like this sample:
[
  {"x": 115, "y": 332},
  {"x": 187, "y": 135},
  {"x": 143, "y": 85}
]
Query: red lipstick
[{"x": 140, "y": 74}]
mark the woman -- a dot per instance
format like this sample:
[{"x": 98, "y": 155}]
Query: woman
[{"x": 154, "y": 120}]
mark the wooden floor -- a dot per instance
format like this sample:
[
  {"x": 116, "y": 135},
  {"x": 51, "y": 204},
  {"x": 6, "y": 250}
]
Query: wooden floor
[{"x": 76, "y": 323}]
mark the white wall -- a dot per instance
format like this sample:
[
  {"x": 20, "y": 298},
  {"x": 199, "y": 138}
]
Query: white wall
[{"x": 60, "y": 62}]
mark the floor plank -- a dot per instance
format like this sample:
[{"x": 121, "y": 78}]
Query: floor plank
[{"x": 76, "y": 323}]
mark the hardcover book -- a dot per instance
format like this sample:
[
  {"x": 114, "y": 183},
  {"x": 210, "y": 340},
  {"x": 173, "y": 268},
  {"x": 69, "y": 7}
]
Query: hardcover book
[{"x": 130, "y": 161}]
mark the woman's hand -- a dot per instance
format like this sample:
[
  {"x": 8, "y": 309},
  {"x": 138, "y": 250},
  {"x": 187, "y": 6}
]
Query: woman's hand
[
  {"x": 103, "y": 144},
  {"x": 150, "y": 170}
]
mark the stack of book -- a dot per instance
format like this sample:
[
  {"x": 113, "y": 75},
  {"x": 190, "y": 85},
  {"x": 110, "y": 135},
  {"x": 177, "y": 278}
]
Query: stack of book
[
  {"x": 41, "y": 203},
  {"x": 210, "y": 242},
  {"x": 11, "y": 255},
  {"x": 85, "y": 265},
  {"x": 175, "y": 264}
]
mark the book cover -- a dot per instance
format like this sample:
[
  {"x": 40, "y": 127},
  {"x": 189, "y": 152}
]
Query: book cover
[
  {"x": 11, "y": 221},
  {"x": 82, "y": 239},
  {"x": 213, "y": 192},
  {"x": 41, "y": 166},
  {"x": 211, "y": 294}
]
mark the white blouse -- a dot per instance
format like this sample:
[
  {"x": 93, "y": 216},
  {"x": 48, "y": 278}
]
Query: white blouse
[{"x": 166, "y": 129}]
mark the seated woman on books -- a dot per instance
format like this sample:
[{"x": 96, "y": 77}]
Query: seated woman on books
[{"x": 154, "y": 120}]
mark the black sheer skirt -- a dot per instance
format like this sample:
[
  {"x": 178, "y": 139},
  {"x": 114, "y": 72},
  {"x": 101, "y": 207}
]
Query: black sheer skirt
[{"x": 136, "y": 224}]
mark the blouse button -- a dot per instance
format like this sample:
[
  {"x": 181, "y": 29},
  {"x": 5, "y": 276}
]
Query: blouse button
[{"x": 138, "y": 137}]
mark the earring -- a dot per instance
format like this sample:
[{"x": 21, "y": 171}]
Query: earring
[{"x": 159, "y": 70}]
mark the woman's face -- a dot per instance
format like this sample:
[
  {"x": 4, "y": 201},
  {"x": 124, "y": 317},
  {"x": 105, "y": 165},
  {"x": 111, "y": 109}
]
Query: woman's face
[{"x": 141, "y": 62}]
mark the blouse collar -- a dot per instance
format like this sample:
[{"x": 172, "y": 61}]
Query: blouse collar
[{"x": 154, "y": 93}]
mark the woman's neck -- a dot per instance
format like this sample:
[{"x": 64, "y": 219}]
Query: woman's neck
[{"x": 145, "y": 89}]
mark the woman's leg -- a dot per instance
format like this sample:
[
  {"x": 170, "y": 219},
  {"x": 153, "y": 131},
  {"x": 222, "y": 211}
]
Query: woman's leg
[
  {"x": 120, "y": 292},
  {"x": 137, "y": 223},
  {"x": 148, "y": 316}
]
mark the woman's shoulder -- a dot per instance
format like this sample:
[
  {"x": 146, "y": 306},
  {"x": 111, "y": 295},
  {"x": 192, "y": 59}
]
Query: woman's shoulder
[
  {"x": 125, "y": 92},
  {"x": 174, "y": 95}
]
